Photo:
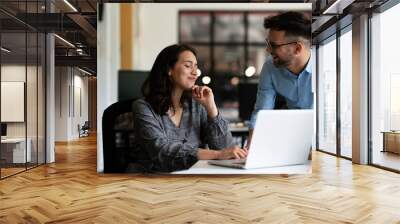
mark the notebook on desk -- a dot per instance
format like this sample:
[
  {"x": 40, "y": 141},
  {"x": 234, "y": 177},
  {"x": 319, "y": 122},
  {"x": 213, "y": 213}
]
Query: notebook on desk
[{"x": 280, "y": 138}]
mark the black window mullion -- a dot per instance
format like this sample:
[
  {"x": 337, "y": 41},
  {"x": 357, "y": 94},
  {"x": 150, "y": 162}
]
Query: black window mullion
[
  {"x": 0, "y": 92},
  {"x": 317, "y": 95},
  {"x": 369, "y": 88},
  {"x": 212, "y": 44},
  {"x": 212, "y": 38},
  {"x": 338, "y": 91},
  {"x": 37, "y": 90},
  {"x": 26, "y": 87},
  {"x": 246, "y": 40}
]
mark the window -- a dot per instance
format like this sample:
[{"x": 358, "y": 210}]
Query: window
[
  {"x": 346, "y": 93},
  {"x": 227, "y": 43},
  {"x": 327, "y": 95},
  {"x": 385, "y": 89}
]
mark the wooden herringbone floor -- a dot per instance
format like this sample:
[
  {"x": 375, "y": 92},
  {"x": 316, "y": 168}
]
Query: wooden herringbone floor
[{"x": 70, "y": 191}]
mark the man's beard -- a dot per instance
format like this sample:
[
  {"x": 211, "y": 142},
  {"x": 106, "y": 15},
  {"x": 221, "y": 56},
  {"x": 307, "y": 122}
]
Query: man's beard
[{"x": 281, "y": 63}]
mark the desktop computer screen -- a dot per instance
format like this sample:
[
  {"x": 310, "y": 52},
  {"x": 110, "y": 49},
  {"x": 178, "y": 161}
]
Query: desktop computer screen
[
  {"x": 247, "y": 99},
  {"x": 3, "y": 129},
  {"x": 130, "y": 84}
]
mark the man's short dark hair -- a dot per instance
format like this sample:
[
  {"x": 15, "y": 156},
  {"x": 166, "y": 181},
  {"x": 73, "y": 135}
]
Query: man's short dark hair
[{"x": 293, "y": 23}]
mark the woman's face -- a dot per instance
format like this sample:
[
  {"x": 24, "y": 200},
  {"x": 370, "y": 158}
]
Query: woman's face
[{"x": 184, "y": 73}]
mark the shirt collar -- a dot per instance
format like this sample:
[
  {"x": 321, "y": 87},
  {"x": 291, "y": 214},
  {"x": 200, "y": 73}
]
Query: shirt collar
[
  {"x": 309, "y": 65},
  {"x": 307, "y": 69}
]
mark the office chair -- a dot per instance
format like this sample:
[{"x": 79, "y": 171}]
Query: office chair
[
  {"x": 84, "y": 129},
  {"x": 118, "y": 136}
]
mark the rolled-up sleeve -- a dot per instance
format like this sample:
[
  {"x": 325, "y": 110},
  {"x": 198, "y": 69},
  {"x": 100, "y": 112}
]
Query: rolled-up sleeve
[
  {"x": 216, "y": 133},
  {"x": 266, "y": 94},
  {"x": 168, "y": 154}
]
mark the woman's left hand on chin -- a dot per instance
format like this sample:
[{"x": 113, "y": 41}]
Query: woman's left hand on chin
[{"x": 205, "y": 96}]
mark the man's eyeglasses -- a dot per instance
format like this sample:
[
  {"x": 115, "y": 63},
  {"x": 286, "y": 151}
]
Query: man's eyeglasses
[{"x": 273, "y": 47}]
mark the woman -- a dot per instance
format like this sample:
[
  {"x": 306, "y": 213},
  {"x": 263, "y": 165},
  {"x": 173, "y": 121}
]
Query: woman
[{"x": 171, "y": 128}]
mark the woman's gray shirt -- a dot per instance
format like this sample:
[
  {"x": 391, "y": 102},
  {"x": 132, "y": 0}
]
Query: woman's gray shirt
[{"x": 161, "y": 146}]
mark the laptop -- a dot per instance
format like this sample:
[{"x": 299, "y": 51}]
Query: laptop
[{"x": 280, "y": 138}]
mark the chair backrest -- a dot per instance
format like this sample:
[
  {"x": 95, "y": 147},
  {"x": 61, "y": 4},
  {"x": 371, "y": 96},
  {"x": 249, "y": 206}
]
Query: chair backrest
[
  {"x": 118, "y": 136},
  {"x": 86, "y": 125}
]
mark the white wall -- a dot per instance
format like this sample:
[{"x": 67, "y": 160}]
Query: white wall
[
  {"x": 61, "y": 103},
  {"x": 15, "y": 72},
  {"x": 67, "y": 115},
  {"x": 108, "y": 64},
  {"x": 81, "y": 104}
]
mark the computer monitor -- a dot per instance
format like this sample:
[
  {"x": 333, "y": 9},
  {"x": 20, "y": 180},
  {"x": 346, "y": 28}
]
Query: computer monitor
[
  {"x": 247, "y": 98},
  {"x": 130, "y": 84},
  {"x": 3, "y": 129}
]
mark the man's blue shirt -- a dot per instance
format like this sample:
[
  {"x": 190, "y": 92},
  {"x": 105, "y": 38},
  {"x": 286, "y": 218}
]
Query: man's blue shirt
[{"x": 297, "y": 90}]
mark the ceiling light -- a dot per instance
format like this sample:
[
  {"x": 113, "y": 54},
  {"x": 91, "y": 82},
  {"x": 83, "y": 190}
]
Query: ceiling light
[
  {"x": 337, "y": 7},
  {"x": 235, "y": 81},
  {"x": 5, "y": 50},
  {"x": 206, "y": 80},
  {"x": 198, "y": 72},
  {"x": 250, "y": 71},
  {"x": 65, "y": 41},
  {"x": 86, "y": 72},
  {"x": 70, "y": 5}
]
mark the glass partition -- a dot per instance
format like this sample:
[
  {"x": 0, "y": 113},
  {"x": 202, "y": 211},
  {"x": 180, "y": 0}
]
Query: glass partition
[
  {"x": 22, "y": 87},
  {"x": 14, "y": 153},
  {"x": 32, "y": 95}
]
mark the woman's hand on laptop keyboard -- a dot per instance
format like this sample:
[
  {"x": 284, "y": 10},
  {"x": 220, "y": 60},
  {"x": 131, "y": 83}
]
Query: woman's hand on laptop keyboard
[{"x": 233, "y": 152}]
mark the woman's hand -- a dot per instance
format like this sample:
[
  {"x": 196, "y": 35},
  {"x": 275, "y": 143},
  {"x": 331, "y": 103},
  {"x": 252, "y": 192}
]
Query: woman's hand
[
  {"x": 205, "y": 96},
  {"x": 233, "y": 152}
]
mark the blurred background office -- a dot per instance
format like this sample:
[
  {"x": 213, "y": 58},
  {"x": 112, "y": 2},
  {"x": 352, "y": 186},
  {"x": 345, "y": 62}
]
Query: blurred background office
[{"x": 229, "y": 40}]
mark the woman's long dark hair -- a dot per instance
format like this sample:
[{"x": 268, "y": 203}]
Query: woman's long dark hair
[{"x": 157, "y": 87}]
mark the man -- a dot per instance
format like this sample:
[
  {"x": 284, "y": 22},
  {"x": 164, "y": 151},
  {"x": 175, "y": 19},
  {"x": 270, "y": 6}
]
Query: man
[{"x": 288, "y": 71}]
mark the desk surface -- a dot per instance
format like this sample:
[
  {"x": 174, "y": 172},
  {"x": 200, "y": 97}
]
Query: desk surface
[
  {"x": 13, "y": 140},
  {"x": 233, "y": 127},
  {"x": 390, "y": 132},
  {"x": 202, "y": 167}
]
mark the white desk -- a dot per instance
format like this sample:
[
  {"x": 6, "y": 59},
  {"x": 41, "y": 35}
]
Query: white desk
[
  {"x": 18, "y": 150},
  {"x": 202, "y": 167}
]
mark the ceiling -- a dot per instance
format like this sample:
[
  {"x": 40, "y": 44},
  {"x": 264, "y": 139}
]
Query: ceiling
[{"x": 76, "y": 22}]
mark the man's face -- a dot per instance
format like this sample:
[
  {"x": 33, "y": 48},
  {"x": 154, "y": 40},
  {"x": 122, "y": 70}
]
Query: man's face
[{"x": 281, "y": 49}]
